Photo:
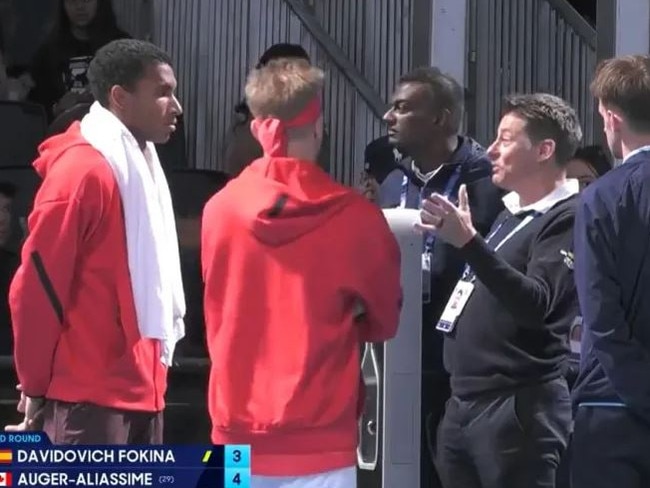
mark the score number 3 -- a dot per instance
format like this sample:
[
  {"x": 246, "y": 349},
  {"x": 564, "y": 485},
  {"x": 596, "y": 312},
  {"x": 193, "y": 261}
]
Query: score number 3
[{"x": 238, "y": 466}]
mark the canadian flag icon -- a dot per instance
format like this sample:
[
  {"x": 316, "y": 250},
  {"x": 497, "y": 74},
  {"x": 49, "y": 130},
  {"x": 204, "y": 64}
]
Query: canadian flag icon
[{"x": 5, "y": 479}]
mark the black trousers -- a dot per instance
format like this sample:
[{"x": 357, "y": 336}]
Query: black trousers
[
  {"x": 509, "y": 440},
  {"x": 611, "y": 448},
  {"x": 84, "y": 423}
]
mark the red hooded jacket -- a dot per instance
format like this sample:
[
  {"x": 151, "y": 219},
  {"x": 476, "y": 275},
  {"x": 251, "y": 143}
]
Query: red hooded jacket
[
  {"x": 298, "y": 271},
  {"x": 73, "y": 316}
]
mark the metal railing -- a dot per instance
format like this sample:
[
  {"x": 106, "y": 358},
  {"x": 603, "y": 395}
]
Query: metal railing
[{"x": 338, "y": 57}]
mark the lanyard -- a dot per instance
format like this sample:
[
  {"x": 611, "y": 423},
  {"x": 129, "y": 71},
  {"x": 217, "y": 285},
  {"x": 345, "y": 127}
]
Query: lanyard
[
  {"x": 468, "y": 275},
  {"x": 449, "y": 189}
]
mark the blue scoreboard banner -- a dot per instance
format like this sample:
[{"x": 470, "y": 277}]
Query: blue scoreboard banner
[{"x": 30, "y": 459}]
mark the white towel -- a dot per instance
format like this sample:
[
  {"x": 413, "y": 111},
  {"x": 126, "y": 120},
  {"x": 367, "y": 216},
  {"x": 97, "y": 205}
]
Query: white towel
[{"x": 151, "y": 240}]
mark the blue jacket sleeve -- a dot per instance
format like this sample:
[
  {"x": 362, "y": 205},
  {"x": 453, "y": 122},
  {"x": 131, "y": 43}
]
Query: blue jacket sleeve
[{"x": 624, "y": 360}]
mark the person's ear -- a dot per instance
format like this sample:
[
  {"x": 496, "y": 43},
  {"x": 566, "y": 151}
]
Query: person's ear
[
  {"x": 616, "y": 122},
  {"x": 119, "y": 97},
  {"x": 546, "y": 149}
]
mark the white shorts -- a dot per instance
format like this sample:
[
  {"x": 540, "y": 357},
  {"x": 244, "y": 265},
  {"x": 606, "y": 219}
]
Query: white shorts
[{"x": 340, "y": 478}]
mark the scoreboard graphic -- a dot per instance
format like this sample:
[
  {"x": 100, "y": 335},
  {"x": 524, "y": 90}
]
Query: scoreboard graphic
[{"x": 30, "y": 459}]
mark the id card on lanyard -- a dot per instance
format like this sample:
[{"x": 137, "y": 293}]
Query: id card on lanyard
[
  {"x": 430, "y": 238},
  {"x": 464, "y": 288}
]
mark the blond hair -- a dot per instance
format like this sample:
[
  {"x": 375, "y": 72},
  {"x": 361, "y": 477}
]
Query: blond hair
[
  {"x": 624, "y": 83},
  {"x": 282, "y": 88}
]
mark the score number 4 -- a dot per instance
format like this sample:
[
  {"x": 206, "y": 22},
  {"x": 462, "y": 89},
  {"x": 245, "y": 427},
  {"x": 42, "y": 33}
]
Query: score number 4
[{"x": 238, "y": 473}]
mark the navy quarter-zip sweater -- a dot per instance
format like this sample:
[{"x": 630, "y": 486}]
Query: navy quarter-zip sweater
[
  {"x": 612, "y": 271},
  {"x": 447, "y": 262}
]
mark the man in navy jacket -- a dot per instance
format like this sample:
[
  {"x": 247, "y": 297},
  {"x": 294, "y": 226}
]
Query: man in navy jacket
[
  {"x": 424, "y": 152},
  {"x": 612, "y": 270}
]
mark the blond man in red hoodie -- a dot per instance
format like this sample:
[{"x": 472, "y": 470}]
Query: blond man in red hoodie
[{"x": 299, "y": 271}]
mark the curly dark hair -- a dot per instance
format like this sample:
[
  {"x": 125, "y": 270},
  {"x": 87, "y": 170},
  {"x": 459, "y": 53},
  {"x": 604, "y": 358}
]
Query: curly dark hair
[
  {"x": 446, "y": 93},
  {"x": 122, "y": 62}
]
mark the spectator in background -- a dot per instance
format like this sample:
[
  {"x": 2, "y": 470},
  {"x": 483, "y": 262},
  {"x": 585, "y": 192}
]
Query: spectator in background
[
  {"x": 8, "y": 265},
  {"x": 380, "y": 159},
  {"x": 188, "y": 207},
  {"x": 241, "y": 147},
  {"x": 14, "y": 88},
  {"x": 64, "y": 120},
  {"x": 588, "y": 164},
  {"x": 60, "y": 65},
  {"x": 299, "y": 271},
  {"x": 7, "y": 194}
]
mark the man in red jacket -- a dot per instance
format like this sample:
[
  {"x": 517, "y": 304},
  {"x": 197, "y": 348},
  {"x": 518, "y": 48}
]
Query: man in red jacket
[
  {"x": 299, "y": 271},
  {"x": 97, "y": 304}
]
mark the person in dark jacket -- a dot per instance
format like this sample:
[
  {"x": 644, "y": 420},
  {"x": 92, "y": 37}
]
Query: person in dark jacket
[
  {"x": 588, "y": 164},
  {"x": 13, "y": 88},
  {"x": 611, "y": 440},
  {"x": 8, "y": 264},
  {"x": 506, "y": 325},
  {"x": 60, "y": 65},
  {"x": 424, "y": 123},
  {"x": 190, "y": 190}
]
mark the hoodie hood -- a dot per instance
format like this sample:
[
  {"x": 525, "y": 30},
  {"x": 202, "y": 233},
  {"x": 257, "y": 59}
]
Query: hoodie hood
[
  {"x": 52, "y": 148},
  {"x": 282, "y": 199},
  {"x": 475, "y": 162},
  {"x": 469, "y": 152}
]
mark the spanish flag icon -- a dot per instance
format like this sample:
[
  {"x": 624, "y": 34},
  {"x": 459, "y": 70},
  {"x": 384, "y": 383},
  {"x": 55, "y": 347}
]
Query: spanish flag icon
[{"x": 6, "y": 456}]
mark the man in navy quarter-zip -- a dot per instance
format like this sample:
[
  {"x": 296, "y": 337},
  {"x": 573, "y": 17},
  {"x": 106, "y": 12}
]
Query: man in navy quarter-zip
[
  {"x": 611, "y": 440},
  {"x": 506, "y": 325},
  {"x": 424, "y": 121}
]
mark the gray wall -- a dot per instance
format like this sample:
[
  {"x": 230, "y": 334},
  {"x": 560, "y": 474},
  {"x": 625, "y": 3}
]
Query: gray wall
[
  {"x": 528, "y": 46},
  {"x": 215, "y": 42}
]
